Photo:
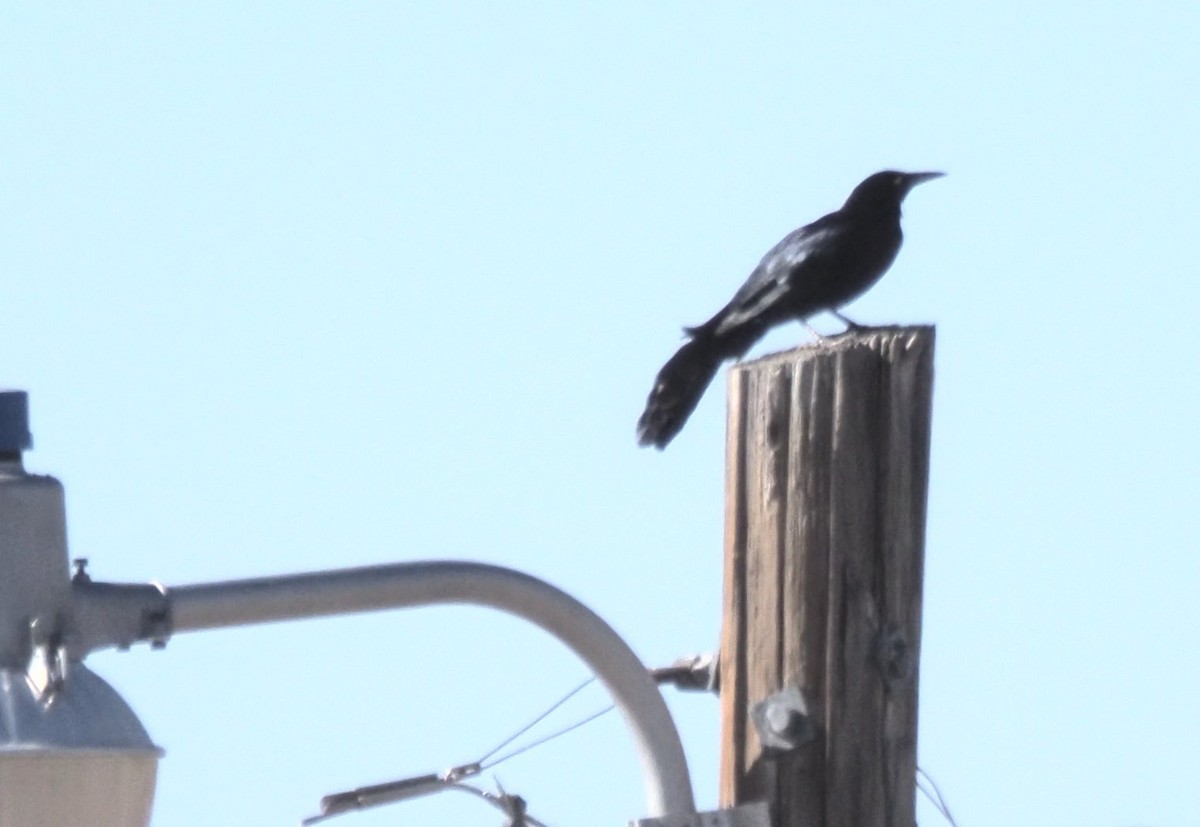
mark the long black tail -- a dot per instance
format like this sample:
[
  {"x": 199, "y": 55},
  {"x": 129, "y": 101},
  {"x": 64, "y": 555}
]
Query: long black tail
[{"x": 677, "y": 390}]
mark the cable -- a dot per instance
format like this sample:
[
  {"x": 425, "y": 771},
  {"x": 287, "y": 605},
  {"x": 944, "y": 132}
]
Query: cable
[
  {"x": 541, "y": 741},
  {"x": 512, "y": 805},
  {"x": 939, "y": 802},
  {"x": 534, "y": 723}
]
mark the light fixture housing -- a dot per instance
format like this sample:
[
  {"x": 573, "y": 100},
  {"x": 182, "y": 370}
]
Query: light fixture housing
[
  {"x": 72, "y": 753},
  {"x": 79, "y": 759}
]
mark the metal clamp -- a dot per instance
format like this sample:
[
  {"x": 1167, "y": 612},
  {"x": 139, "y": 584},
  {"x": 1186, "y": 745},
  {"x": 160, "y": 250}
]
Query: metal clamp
[
  {"x": 362, "y": 798},
  {"x": 48, "y": 662}
]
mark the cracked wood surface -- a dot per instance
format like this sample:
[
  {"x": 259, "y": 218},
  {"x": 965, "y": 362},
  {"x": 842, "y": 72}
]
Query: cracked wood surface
[{"x": 826, "y": 482}]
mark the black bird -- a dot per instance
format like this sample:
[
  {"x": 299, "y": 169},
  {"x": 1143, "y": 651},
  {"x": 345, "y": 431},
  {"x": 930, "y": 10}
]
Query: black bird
[{"x": 819, "y": 267}]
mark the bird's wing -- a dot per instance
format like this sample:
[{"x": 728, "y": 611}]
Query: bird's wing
[{"x": 772, "y": 284}]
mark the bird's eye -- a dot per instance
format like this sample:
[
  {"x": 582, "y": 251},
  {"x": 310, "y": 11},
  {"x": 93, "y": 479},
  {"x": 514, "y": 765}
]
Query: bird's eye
[{"x": 898, "y": 180}]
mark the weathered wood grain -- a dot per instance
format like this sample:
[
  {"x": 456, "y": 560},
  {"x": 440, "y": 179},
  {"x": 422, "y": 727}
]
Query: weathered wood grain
[{"x": 827, "y": 476}]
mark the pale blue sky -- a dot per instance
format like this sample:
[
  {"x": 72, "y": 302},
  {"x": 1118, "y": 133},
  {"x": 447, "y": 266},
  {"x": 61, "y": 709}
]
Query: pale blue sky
[{"x": 314, "y": 285}]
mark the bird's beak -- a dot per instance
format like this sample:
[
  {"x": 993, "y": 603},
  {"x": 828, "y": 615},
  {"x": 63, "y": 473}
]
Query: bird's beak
[{"x": 915, "y": 178}]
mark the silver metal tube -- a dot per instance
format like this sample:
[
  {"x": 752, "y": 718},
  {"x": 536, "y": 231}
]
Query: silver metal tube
[{"x": 290, "y": 597}]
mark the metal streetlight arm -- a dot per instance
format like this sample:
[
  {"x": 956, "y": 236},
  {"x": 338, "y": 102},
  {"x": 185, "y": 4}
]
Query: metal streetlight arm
[{"x": 115, "y": 615}]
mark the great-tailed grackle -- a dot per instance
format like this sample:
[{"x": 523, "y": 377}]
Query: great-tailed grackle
[{"x": 818, "y": 267}]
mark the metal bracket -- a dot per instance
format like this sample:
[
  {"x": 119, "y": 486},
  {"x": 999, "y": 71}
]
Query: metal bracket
[
  {"x": 782, "y": 721},
  {"x": 117, "y": 614},
  {"x": 699, "y": 673},
  {"x": 754, "y": 814},
  {"x": 47, "y": 669}
]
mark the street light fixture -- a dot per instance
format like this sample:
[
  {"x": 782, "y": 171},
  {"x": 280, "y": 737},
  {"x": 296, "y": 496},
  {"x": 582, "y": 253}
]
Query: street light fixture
[{"x": 72, "y": 753}]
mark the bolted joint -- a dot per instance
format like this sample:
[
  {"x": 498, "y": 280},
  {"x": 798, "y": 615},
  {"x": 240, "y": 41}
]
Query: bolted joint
[
  {"x": 117, "y": 615},
  {"x": 782, "y": 721},
  {"x": 80, "y": 575}
]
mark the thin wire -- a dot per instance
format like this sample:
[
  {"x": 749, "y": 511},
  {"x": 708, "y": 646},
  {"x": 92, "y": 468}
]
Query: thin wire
[
  {"x": 549, "y": 737},
  {"x": 939, "y": 800},
  {"x": 534, "y": 723},
  {"x": 452, "y": 778}
]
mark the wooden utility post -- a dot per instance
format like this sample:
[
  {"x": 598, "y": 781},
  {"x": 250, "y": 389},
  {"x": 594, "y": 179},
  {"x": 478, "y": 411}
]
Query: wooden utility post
[{"x": 827, "y": 474}]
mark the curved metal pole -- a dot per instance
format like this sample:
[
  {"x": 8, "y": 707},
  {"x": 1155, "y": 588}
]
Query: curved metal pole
[{"x": 290, "y": 597}]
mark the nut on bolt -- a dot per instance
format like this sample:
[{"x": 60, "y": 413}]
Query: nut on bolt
[{"x": 782, "y": 721}]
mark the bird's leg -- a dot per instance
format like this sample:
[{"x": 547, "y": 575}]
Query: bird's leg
[
  {"x": 820, "y": 339},
  {"x": 851, "y": 325}
]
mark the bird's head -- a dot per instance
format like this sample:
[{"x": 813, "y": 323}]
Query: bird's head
[{"x": 887, "y": 188}]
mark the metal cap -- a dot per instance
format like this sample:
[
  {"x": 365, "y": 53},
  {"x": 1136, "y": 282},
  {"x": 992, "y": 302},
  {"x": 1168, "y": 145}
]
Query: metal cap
[{"x": 14, "y": 422}]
